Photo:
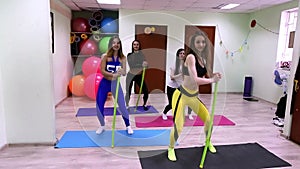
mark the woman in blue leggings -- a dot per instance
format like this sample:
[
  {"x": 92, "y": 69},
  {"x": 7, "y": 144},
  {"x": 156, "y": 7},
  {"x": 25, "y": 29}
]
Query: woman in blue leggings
[{"x": 113, "y": 65}]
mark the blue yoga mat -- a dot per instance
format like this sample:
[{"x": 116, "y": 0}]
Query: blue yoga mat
[
  {"x": 109, "y": 111},
  {"x": 82, "y": 139}
]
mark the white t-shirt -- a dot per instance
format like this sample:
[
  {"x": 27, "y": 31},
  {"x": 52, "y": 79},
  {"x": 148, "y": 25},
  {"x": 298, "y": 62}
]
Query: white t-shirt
[{"x": 178, "y": 80}]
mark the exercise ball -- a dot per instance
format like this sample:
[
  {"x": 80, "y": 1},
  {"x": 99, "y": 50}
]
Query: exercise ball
[
  {"x": 91, "y": 65},
  {"x": 91, "y": 85},
  {"x": 109, "y": 25},
  {"x": 103, "y": 44},
  {"x": 88, "y": 47},
  {"x": 76, "y": 85},
  {"x": 80, "y": 25}
]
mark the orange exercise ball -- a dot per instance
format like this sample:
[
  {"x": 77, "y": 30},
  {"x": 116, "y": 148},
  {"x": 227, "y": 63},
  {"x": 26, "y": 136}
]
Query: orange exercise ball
[{"x": 76, "y": 85}]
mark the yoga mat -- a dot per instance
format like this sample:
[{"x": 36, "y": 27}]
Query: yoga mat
[
  {"x": 83, "y": 139},
  {"x": 157, "y": 121},
  {"x": 109, "y": 111},
  {"x": 140, "y": 110},
  {"x": 238, "y": 156}
]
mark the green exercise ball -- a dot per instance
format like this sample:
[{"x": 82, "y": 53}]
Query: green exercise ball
[{"x": 103, "y": 44}]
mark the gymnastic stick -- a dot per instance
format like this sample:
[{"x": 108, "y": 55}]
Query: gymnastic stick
[
  {"x": 141, "y": 86},
  {"x": 210, "y": 126},
  {"x": 115, "y": 113}
]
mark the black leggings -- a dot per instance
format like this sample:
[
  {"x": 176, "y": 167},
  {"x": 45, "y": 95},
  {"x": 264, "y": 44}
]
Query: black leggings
[
  {"x": 170, "y": 91},
  {"x": 129, "y": 82}
]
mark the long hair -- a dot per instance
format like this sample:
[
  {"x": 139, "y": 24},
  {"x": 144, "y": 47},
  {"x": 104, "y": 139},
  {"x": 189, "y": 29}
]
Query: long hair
[
  {"x": 140, "y": 46},
  {"x": 177, "y": 62},
  {"x": 206, "y": 54},
  {"x": 110, "y": 51}
]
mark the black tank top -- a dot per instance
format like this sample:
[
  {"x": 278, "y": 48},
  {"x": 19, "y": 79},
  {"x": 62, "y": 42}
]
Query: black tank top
[{"x": 201, "y": 71}]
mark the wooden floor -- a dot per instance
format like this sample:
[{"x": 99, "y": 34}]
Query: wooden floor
[{"x": 253, "y": 124}]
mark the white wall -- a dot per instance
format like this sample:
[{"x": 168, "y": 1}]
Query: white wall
[
  {"x": 233, "y": 29},
  {"x": 3, "y": 140},
  {"x": 62, "y": 60},
  {"x": 263, "y": 51},
  {"x": 26, "y": 67}
]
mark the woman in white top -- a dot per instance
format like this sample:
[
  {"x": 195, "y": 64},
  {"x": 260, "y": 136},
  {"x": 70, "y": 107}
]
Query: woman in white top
[{"x": 176, "y": 80}]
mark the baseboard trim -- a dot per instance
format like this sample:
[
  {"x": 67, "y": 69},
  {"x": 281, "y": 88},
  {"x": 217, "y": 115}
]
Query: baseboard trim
[
  {"x": 30, "y": 144},
  {"x": 3, "y": 147}
]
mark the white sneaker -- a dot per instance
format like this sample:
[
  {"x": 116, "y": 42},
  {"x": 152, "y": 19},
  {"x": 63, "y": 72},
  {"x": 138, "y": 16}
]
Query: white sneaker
[
  {"x": 100, "y": 130},
  {"x": 191, "y": 117},
  {"x": 129, "y": 130},
  {"x": 164, "y": 117}
]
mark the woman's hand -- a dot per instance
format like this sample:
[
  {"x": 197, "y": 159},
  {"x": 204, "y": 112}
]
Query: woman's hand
[
  {"x": 145, "y": 64},
  {"x": 216, "y": 77},
  {"x": 121, "y": 71}
]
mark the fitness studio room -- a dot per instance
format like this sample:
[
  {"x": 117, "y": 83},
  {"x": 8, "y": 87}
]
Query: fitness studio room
[{"x": 66, "y": 101}]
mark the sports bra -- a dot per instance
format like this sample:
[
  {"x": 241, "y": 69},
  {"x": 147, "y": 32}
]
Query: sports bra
[
  {"x": 201, "y": 71},
  {"x": 113, "y": 66}
]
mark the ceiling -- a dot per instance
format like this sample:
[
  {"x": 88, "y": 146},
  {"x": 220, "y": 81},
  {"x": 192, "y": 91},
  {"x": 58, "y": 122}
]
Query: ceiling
[{"x": 246, "y": 6}]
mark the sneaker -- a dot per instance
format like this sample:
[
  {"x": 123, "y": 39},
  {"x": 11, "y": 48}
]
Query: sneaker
[
  {"x": 211, "y": 148},
  {"x": 145, "y": 107},
  {"x": 100, "y": 130},
  {"x": 278, "y": 122},
  {"x": 171, "y": 154},
  {"x": 129, "y": 130},
  {"x": 164, "y": 117},
  {"x": 191, "y": 117}
]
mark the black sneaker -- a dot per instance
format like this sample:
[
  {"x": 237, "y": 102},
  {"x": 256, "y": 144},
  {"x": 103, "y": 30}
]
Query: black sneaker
[{"x": 145, "y": 108}]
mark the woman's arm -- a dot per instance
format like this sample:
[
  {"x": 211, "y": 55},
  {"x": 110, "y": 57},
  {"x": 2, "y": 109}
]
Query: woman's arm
[
  {"x": 190, "y": 63},
  {"x": 122, "y": 70},
  {"x": 173, "y": 76}
]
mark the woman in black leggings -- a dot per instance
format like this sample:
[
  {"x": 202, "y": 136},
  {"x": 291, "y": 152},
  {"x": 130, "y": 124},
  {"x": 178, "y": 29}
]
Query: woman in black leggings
[
  {"x": 176, "y": 80},
  {"x": 136, "y": 61}
]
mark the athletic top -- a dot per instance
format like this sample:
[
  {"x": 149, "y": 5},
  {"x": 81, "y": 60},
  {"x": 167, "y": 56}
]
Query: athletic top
[
  {"x": 135, "y": 60},
  {"x": 177, "y": 81},
  {"x": 201, "y": 71},
  {"x": 113, "y": 66}
]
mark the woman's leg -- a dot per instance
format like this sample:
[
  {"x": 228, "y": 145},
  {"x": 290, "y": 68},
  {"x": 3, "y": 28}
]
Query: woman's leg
[
  {"x": 129, "y": 82},
  {"x": 121, "y": 103},
  {"x": 138, "y": 81},
  {"x": 178, "y": 118},
  {"x": 103, "y": 90},
  {"x": 170, "y": 92},
  {"x": 199, "y": 108}
]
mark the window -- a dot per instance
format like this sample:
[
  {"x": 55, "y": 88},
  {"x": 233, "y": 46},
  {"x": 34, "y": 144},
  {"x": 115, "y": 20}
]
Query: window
[{"x": 286, "y": 37}]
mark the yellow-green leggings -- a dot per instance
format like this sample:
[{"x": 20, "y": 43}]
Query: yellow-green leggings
[{"x": 180, "y": 99}]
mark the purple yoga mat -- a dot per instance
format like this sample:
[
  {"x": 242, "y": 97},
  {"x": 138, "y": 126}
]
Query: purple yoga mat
[
  {"x": 157, "y": 121},
  {"x": 109, "y": 111}
]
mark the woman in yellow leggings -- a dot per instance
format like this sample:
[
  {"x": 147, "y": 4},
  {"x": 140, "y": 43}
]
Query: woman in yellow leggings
[{"x": 196, "y": 71}]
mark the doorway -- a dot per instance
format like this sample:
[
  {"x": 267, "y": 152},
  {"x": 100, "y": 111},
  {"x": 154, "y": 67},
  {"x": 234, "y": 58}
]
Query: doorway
[
  {"x": 153, "y": 40},
  {"x": 295, "y": 108},
  {"x": 210, "y": 31}
]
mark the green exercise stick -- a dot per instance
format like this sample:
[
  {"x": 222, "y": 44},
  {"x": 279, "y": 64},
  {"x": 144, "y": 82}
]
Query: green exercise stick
[
  {"x": 115, "y": 113},
  {"x": 210, "y": 127},
  {"x": 141, "y": 86}
]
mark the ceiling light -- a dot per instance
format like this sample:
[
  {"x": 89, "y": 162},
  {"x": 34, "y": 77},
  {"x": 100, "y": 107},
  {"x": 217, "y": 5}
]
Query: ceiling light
[
  {"x": 115, "y": 2},
  {"x": 230, "y": 6}
]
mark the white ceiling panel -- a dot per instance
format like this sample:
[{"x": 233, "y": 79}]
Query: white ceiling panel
[{"x": 177, "y": 5}]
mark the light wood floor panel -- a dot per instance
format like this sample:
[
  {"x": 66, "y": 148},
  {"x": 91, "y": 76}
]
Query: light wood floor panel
[{"x": 253, "y": 124}]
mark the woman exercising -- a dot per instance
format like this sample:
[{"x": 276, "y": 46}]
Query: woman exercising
[
  {"x": 113, "y": 65},
  {"x": 197, "y": 64}
]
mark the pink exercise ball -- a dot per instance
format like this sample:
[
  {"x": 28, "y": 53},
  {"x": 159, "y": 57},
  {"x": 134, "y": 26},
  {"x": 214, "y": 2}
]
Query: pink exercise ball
[
  {"x": 80, "y": 25},
  {"x": 91, "y": 85},
  {"x": 76, "y": 85},
  {"x": 88, "y": 47},
  {"x": 91, "y": 65}
]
